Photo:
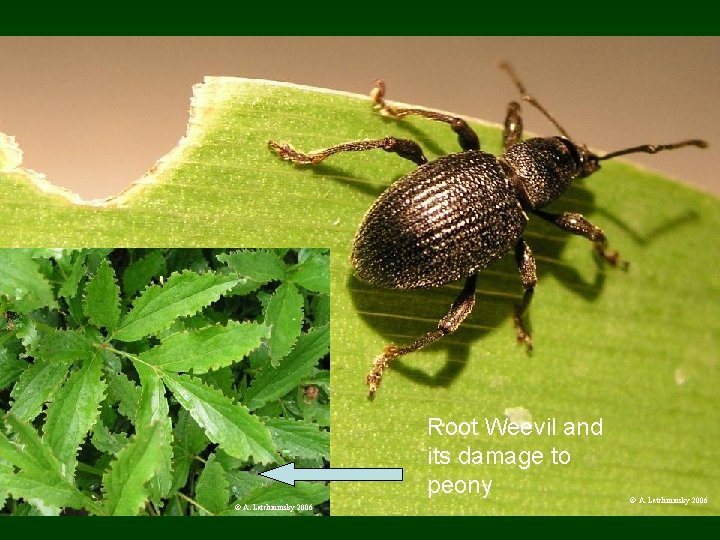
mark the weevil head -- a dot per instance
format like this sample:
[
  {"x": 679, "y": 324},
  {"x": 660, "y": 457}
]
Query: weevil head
[
  {"x": 544, "y": 167},
  {"x": 587, "y": 162}
]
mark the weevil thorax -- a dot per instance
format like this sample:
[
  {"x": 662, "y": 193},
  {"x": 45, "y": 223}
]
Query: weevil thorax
[{"x": 543, "y": 168}]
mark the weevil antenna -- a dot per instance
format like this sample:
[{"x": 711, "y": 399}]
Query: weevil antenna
[
  {"x": 655, "y": 148},
  {"x": 531, "y": 100}
]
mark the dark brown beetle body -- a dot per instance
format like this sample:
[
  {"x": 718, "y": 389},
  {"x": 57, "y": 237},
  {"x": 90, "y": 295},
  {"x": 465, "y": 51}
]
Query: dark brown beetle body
[
  {"x": 444, "y": 221},
  {"x": 452, "y": 217}
]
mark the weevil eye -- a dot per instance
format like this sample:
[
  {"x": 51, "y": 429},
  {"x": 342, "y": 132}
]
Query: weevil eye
[
  {"x": 586, "y": 162},
  {"x": 589, "y": 164}
]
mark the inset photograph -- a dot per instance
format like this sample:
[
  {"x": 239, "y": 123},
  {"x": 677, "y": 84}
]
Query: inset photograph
[{"x": 163, "y": 381}]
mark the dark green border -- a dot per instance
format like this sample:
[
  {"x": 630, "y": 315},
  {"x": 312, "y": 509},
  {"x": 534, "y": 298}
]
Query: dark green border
[
  {"x": 357, "y": 18},
  {"x": 368, "y": 18},
  {"x": 369, "y": 527}
]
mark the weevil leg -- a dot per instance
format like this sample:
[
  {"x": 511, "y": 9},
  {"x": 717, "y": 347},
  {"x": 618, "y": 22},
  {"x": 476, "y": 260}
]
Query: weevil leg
[
  {"x": 528, "y": 274},
  {"x": 467, "y": 138},
  {"x": 513, "y": 125},
  {"x": 404, "y": 148},
  {"x": 530, "y": 99},
  {"x": 459, "y": 311},
  {"x": 577, "y": 224}
]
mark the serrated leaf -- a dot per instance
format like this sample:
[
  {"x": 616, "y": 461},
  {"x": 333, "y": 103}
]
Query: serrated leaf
[
  {"x": 139, "y": 273},
  {"x": 13, "y": 453},
  {"x": 319, "y": 377},
  {"x": 11, "y": 367},
  {"x": 125, "y": 392},
  {"x": 6, "y": 472},
  {"x": 189, "y": 440},
  {"x": 126, "y": 483},
  {"x": 158, "y": 306},
  {"x": 229, "y": 424},
  {"x": 299, "y": 439},
  {"x": 255, "y": 267},
  {"x": 241, "y": 482},
  {"x": 280, "y": 495},
  {"x": 40, "y": 476},
  {"x": 73, "y": 412},
  {"x": 152, "y": 405},
  {"x": 320, "y": 310},
  {"x": 33, "y": 446},
  {"x": 284, "y": 313},
  {"x": 188, "y": 434},
  {"x": 106, "y": 441},
  {"x": 212, "y": 490},
  {"x": 22, "y": 282},
  {"x": 96, "y": 256},
  {"x": 212, "y": 347},
  {"x": 69, "y": 286},
  {"x": 223, "y": 379},
  {"x": 313, "y": 273},
  {"x": 102, "y": 298},
  {"x": 153, "y": 409},
  {"x": 64, "y": 346},
  {"x": 36, "y": 386},
  {"x": 38, "y": 486},
  {"x": 274, "y": 383}
]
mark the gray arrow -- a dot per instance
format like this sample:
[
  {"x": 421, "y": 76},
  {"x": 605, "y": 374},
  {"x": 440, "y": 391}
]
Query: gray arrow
[{"x": 288, "y": 474}]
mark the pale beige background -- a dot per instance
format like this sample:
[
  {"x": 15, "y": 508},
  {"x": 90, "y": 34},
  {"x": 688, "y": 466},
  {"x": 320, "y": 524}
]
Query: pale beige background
[{"x": 94, "y": 113}]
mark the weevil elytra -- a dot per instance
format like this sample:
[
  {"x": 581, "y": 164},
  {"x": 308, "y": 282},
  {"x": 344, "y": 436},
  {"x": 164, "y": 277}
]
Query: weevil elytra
[{"x": 451, "y": 217}]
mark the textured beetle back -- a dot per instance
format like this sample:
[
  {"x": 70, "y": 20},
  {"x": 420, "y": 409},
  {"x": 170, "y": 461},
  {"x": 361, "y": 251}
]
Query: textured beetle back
[{"x": 444, "y": 221}]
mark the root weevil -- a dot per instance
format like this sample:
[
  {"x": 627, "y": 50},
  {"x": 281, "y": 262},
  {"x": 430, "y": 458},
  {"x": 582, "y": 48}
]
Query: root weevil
[{"x": 451, "y": 217}]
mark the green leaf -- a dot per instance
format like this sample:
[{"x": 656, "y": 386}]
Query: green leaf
[
  {"x": 40, "y": 488},
  {"x": 153, "y": 409},
  {"x": 212, "y": 490},
  {"x": 224, "y": 379},
  {"x": 313, "y": 273},
  {"x": 229, "y": 424},
  {"x": 105, "y": 441},
  {"x": 102, "y": 298},
  {"x": 125, "y": 392},
  {"x": 73, "y": 412},
  {"x": 64, "y": 346},
  {"x": 36, "y": 386},
  {"x": 6, "y": 473},
  {"x": 209, "y": 348},
  {"x": 241, "y": 482},
  {"x": 76, "y": 270},
  {"x": 158, "y": 306},
  {"x": 320, "y": 310},
  {"x": 40, "y": 478},
  {"x": 274, "y": 383},
  {"x": 126, "y": 483},
  {"x": 284, "y": 313},
  {"x": 22, "y": 282},
  {"x": 189, "y": 440},
  {"x": 254, "y": 267},
  {"x": 139, "y": 273},
  {"x": 34, "y": 447},
  {"x": 11, "y": 367},
  {"x": 14, "y": 453},
  {"x": 299, "y": 439},
  {"x": 277, "y": 494}
]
